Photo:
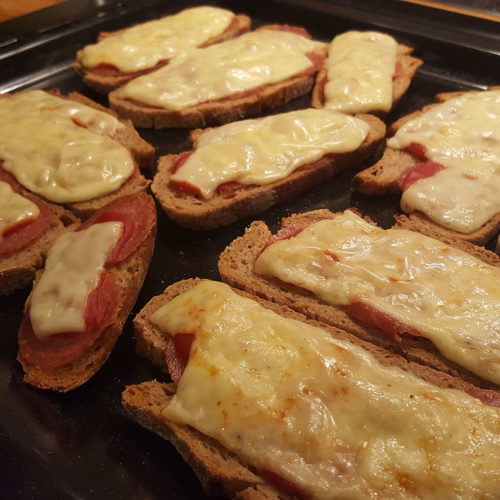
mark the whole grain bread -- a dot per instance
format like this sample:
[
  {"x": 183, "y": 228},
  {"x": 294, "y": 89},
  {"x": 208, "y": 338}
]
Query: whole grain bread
[
  {"x": 105, "y": 84},
  {"x": 225, "y": 208},
  {"x": 17, "y": 269},
  {"x": 220, "y": 471},
  {"x": 129, "y": 275},
  {"x": 406, "y": 65},
  {"x": 382, "y": 178},
  {"x": 236, "y": 267},
  {"x": 226, "y": 110}
]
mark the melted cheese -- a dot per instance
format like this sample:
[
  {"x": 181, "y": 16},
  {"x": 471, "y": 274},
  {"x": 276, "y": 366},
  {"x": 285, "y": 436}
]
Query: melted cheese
[
  {"x": 72, "y": 271},
  {"x": 360, "y": 68},
  {"x": 14, "y": 208},
  {"x": 321, "y": 412},
  {"x": 463, "y": 134},
  {"x": 268, "y": 149},
  {"x": 49, "y": 154},
  {"x": 145, "y": 45},
  {"x": 222, "y": 70},
  {"x": 449, "y": 296},
  {"x": 455, "y": 199}
]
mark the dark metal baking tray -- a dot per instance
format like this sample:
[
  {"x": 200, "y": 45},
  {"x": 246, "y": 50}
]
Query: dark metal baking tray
[{"x": 81, "y": 444}]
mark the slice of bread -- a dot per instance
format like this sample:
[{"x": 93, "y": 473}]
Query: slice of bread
[
  {"x": 406, "y": 67},
  {"x": 236, "y": 267},
  {"x": 17, "y": 269},
  {"x": 224, "y": 209},
  {"x": 105, "y": 84},
  {"x": 129, "y": 275},
  {"x": 220, "y": 471},
  {"x": 247, "y": 104},
  {"x": 382, "y": 178}
]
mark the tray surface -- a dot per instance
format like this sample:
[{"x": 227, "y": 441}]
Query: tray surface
[{"x": 81, "y": 444}]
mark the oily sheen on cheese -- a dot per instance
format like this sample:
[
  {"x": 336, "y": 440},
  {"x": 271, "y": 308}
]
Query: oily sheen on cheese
[
  {"x": 14, "y": 209},
  {"x": 447, "y": 295},
  {"x": 145, "y": 45},
  {"x": 268, "y": 149},
  {"x": 61, "y": 149},
  {"x": 360, "y": 67},
  {"x": 322, "y": 413},
  {"x": 463, "y": 134},
  {"x": 222, "y": 70},
  {"x": 72, "y": 271}
]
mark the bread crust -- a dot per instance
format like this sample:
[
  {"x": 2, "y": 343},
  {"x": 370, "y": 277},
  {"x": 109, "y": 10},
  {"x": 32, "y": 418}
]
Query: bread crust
[
  {"x": 382, "y": 178},
  {"x": 219, "y": 112},
  {"x": 129, "y": 275},
  {"x": 236, "y": 268},
  {"x": 408, "y": 66},
  {"x": 17, "y": 270},
  {"x": 212, "y": 463},
  {"x": 105, "y": 84},
  {"x": 222, "y": 210}
]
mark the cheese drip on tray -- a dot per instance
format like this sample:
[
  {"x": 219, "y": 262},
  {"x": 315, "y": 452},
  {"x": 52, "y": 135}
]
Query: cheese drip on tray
[{"x": 322, "y": 413}]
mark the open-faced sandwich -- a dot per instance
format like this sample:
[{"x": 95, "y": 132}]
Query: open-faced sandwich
[
  {"x": 268, "y": 404},
  {"x": 121, "y": 56},
  {"x": 365, "y": 72},
  {"x": 245, "y": 167},
  {"x": 436, "y": 303},
  {"x": 69, "y": 150},
  {"x": 225, "y": 82},
  {"x": 81, "y": 299},
  {"x": 445, "y": 160}
]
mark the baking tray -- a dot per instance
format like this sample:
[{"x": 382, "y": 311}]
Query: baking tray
[{"x": 81, "y": 444}]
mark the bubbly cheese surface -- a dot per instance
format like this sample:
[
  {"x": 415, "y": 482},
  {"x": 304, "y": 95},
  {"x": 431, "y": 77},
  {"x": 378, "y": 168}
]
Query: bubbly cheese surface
[
  {"x": 61, "y": 149},
  {"x": 321, "y": 412},
  {"x": 222, "y": 70},
  {"x": 72, "y": 271},
  {"x": 145, "y": 45},
  {"x": 265, "y": 150},
  {"x": 14, "y": 208},
  {"x": 447, "y": 295},
  {"x": 463, "y": 134},
  {"x": 360, "y": 67}
]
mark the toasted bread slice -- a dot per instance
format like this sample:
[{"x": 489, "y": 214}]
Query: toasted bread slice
[
  {"x": 406, "y": 67},
  {"x": 220, "y": 471},
  {"x": 106, "y": 83},
  {"x": 382, "y": 178},
  {"x": 128, "y": 275},
  {"x": 246, "y": 104},
  {"x": 236, "y": 267},
  {"x": 223, "y": 209}
]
